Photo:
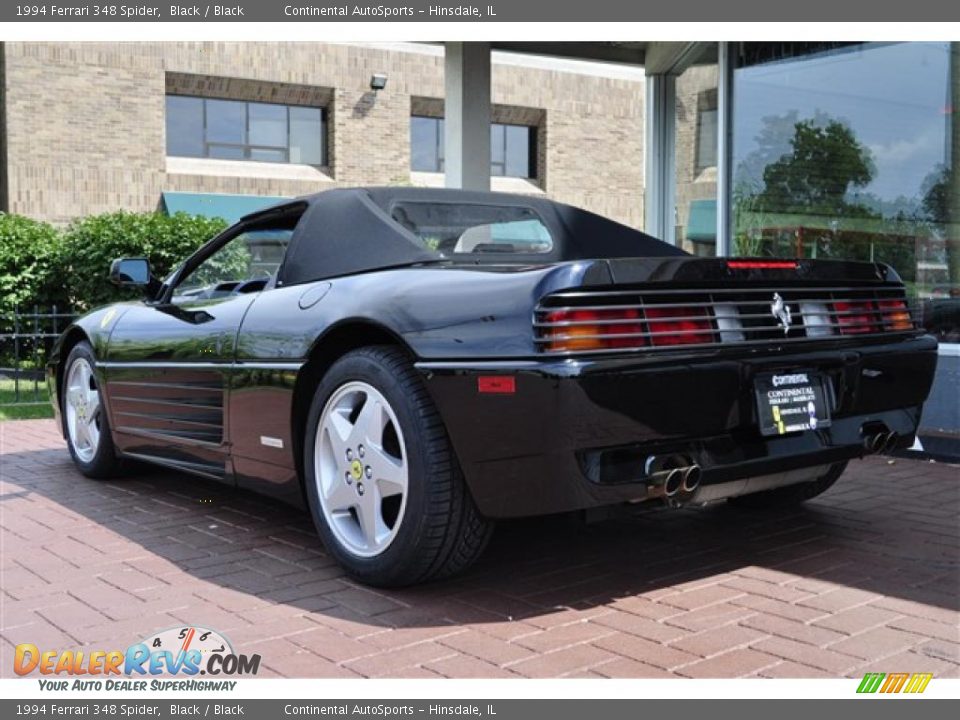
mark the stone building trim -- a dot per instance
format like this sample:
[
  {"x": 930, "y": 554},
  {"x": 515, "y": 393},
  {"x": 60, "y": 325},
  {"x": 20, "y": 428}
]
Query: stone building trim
[{"x": 247, "y": 89}]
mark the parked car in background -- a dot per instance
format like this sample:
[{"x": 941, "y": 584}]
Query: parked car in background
[{"x": 414, "y": 364}]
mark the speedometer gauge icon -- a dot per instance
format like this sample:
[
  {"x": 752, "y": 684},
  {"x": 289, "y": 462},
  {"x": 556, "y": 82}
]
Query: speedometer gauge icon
[{"x": 189, "y": 637}]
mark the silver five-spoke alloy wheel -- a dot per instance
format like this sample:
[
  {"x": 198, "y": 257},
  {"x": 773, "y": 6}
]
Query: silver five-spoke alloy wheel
[
  {"x": 361, "y": 469},
  {"x": 83, "y": 410}
]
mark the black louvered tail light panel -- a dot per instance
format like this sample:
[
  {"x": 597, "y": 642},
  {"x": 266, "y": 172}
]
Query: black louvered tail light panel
[{"x": 578, "y": 321}]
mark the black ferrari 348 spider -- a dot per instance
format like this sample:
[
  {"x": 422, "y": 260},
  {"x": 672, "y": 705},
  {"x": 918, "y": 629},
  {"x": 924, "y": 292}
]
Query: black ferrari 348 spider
[{"x": 413, "y": 364}]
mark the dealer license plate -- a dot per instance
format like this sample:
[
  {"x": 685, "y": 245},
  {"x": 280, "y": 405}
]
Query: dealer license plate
[{"x": 792, "y": 402}]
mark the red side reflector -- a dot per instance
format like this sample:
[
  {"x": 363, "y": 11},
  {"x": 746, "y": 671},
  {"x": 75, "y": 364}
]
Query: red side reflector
[
  {"x": 500, "y": 384},
  {"x": 761, "y": 265}
]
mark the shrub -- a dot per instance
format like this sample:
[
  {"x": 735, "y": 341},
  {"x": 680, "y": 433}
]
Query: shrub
[
  {"x": 90, "y": 244},
  {"x": 29, "y": 256}
]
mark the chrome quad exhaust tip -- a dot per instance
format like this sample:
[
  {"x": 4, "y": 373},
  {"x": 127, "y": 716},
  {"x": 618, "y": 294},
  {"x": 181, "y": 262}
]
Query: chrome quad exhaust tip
[
  {"x": 674, "y": 478},
  {"x": 673, "y": 483},
  {"x": 875, "y": 443},
  {"x": 891, "y": 442},
  {"x": 880, "y": 441},
  {"x": 691, "y": 479}
]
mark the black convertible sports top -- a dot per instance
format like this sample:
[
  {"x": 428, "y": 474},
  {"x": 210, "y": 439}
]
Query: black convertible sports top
[{"x": 351, "y": 230}]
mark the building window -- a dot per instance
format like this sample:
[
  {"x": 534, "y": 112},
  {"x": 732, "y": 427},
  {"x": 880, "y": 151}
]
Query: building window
[
  {"x": 426, "y": 144},
  {"x": 706, "y": 130},
  {"x": 513, "y": 148},
  {"x": 240, "y": 130}
]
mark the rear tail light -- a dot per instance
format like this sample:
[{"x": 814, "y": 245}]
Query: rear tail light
[
  {"x": 669, "y": 319},
  {"x": 594, "y": 329},
  {"x": 854, "y": 318},
  {"x": 618, "y": 328},
  {"x": 631, "y": 327},
  {"x": 866, "y": 316},
  {"x": 679, "y": 326},
  {"x": 895, "y": 315}
]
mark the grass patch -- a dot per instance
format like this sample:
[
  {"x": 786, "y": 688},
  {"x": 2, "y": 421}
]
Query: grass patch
[{"x": 30, "y": 406}]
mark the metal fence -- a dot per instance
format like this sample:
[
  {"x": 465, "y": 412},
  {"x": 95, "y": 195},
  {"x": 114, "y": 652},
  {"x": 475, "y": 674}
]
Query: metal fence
[{"x": 25, "y": 342}]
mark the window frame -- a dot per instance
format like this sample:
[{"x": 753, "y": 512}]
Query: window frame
[
  {"x": 535, "y": 214},
  {"x": 269, "y": 279},
  {"x": 247, "y": 147},
  {"x": 294, "y": 211}
]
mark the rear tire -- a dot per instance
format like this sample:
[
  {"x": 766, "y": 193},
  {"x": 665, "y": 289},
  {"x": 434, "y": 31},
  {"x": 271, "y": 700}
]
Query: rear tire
[
  {"x": 85, "y": 417},
  {"x": 792, "y": 494},
  {"x": 383, "y": 484}
]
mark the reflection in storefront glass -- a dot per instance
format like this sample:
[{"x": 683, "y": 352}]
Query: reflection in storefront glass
[
  {"x": 696, "y": 159},
  {"x": 850, "y": 151}
]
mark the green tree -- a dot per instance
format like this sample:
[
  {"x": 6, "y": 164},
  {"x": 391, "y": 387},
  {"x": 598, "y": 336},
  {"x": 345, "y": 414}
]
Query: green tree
[
  {"x": 825, "y": 163},
  {"x": 92, "y": 242},
  {"x": 938, "y": 204},
  {"x": 794, "y": 192},
  {"x": 29, "y": 252},
  {"x": 936, "y": 195}
]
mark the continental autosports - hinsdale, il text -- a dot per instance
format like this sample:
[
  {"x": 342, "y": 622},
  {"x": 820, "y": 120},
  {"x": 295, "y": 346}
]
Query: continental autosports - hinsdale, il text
[
  {"x": 380, "y": 11},
  {"x": 383, "y": 710}
]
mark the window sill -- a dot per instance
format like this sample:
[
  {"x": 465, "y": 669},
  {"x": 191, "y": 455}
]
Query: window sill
[
  {"x": 497, "y": 183},
  {"x": 245, "y": 168}
]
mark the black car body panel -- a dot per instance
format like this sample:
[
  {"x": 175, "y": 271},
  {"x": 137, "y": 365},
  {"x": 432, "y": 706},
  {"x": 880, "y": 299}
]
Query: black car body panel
[
  {"x": 625, "y": 410},
  {"x": 217, "y": 387}
]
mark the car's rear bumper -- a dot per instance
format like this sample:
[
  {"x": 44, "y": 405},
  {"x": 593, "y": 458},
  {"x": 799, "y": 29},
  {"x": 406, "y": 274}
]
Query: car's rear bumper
[{"x": 536, "y": 450}]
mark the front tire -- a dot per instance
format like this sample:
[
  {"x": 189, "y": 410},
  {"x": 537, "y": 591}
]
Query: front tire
[
  {"x": 383, "y": 484},
  {"x": 85, "y": 417},
  {"x": 792, "y": 494}
]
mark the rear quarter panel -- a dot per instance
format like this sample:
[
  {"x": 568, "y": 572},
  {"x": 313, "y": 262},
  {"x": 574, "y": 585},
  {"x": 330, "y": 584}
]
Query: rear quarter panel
[
  {"x": 434, "y": 313},
  {"x": 438, "y": 313}
]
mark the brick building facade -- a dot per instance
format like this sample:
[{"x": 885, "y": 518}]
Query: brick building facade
[{"x": 83, "y": 124}]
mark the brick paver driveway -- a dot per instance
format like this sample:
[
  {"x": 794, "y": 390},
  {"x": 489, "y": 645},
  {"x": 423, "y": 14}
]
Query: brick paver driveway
[{"x": 865, "y": 578}]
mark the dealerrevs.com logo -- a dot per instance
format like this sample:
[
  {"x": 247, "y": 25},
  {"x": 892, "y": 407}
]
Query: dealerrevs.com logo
[{"x": 182, "y": 651}]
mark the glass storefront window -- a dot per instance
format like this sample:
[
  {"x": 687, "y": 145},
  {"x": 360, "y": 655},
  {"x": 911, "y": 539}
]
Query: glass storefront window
[{"x": 850, "y": 151}]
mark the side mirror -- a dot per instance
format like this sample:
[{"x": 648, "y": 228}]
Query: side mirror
[{"x": 130, "y": 272}]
